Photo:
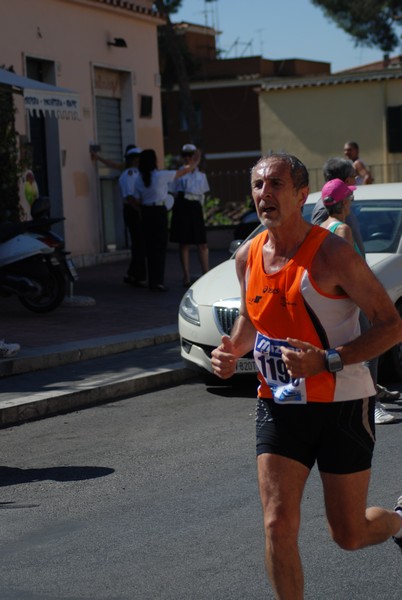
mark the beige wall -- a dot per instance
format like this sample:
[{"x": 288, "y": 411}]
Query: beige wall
[
  {"x": 314, "y": 123},
  {"x": 74, "y": 34}
]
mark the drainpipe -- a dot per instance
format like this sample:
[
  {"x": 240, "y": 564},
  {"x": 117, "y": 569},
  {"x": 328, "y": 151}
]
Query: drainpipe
[{"x": 384, "y": 129}]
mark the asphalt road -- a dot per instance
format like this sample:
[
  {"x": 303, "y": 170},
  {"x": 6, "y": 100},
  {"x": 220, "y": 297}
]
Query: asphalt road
[{"x": 155, "y": 497}]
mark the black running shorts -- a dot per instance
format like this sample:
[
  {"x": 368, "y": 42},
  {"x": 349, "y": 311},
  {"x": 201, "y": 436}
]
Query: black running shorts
[{"x": 340, "y": 436}]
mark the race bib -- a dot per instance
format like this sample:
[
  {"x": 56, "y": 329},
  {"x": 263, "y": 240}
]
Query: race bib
[{"x": 268, "y": 357}]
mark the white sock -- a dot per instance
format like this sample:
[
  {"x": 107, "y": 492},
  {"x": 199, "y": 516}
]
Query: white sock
[{"x": 398, "y": 534}]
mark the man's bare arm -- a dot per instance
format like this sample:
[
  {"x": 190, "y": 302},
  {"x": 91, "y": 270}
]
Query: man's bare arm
[
  {"x": 241, "y": 341},
  {"x": 363, "y": 171},
  {"x": 339, "y": 269}
]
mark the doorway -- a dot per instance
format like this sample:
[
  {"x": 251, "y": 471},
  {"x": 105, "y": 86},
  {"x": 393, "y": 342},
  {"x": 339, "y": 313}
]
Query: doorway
[{"x": 45, "y": 146}]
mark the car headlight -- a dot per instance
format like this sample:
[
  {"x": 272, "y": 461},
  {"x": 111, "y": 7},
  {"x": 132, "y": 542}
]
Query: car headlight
[{"x": 189, "y": 309}]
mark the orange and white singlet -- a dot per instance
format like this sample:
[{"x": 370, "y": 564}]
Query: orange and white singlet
[{"x": 289, "y": 303}]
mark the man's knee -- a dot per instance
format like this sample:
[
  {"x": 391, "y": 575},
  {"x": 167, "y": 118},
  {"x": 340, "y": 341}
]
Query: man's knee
[
  {"x": 280, "y": 526},
  {"x": 346, "y": 538}
]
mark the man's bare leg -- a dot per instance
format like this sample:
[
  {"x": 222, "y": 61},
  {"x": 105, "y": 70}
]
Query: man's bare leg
[
  {"x": 281, "y": 484},
  {"x": 351, "y": 524}
]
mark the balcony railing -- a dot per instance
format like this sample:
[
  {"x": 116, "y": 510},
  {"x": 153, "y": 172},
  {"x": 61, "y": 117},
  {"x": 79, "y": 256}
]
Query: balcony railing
[{"x": 234, "y": 186}]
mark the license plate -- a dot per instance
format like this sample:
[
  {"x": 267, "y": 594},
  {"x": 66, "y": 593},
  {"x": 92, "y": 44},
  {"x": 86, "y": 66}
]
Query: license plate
[
  {"x": 246, "y": 365},
  {"x": 71, "y": 268}
]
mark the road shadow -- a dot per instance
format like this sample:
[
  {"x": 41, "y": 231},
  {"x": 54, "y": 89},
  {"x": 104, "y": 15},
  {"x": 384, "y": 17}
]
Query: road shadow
[
  {"x": 15, "y": 476},
  {"x": 230, "y": 391}
]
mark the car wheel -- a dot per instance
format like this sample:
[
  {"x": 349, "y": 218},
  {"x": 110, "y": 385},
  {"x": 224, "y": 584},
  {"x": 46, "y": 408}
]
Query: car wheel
[{"x": 391, "y": 361}]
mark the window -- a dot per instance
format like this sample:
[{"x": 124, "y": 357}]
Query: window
[
  {"x": 146, "y": 107},
  {"x": 394, "y": 128}
]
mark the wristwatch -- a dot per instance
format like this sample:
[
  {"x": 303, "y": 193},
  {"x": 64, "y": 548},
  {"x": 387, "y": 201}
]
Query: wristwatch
[{"x": 333, "y": 361}]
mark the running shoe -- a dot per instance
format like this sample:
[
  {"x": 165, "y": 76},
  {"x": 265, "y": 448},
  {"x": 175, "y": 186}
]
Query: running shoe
[
  {"x": 385, "y": 395},
  {"x": 8, "y": 350},
  {"x": 398, "y": 508},
  {"x": 381, "y": 415}
]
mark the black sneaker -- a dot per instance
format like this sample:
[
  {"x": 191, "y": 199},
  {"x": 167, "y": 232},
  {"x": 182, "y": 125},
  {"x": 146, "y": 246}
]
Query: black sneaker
[
  {"x": 134, "y": 282},
  {"x": 385, "y": 395},
  {"x": 398, "y": 508}
]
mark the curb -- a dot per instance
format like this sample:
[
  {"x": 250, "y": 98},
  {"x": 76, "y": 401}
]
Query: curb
[
  {"x": 55, "y": 356},
  {"x": 44, "y": 390},
  {"x": 29, "y": 409}
]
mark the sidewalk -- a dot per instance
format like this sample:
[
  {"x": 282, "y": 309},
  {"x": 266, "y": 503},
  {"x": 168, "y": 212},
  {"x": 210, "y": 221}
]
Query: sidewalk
[
  {"x": 124, "y": 343},
  {"x": 119, "y": 309}
]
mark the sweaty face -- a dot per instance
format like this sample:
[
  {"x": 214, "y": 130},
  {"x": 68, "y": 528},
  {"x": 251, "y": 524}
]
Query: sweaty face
[{"x": 275, "y": 197}]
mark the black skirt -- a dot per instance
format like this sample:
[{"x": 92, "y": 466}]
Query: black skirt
[{"x": 187, "y": 224}]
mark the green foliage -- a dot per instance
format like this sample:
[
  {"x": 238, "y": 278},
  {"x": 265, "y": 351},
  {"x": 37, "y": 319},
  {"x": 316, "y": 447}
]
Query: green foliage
[
  {"x": 214, "y": 215},
  {"x": 170, "y": 162},
  {"x": 371, "y": 23},
  {"x": 10, "y": 168},
  {"x": 170, "y": 6}
]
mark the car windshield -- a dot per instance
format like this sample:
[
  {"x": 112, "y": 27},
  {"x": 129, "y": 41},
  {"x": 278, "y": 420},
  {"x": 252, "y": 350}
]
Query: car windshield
[{"x": 380, "y": 223}]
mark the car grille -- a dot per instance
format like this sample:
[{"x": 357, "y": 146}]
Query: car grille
[{"x": 225, "y": 316}]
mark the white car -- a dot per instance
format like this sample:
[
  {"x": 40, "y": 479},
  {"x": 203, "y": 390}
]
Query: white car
[{"x": 210, "y": 306}]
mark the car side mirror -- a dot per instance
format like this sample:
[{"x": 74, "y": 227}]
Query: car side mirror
[{"x": 234, "y": 246}]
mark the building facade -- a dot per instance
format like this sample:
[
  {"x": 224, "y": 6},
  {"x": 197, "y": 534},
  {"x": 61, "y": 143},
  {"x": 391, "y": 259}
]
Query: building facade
[
  {"x": 313, "y": 118},
  {"x": 251, "y": 106},
  {"x": 226, "y": 100},
  {"x": 105, "y": 51}
]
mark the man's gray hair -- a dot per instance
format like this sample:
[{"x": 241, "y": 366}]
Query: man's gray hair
[
  {"x": 298, "y": 171},
  {"x": 338, "y": 168}
]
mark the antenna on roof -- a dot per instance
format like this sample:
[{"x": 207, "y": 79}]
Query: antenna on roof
[
  {"x": 235, "y": 46},
  {"x": 210, "y": 12},
  {"x": 247, "y": 45},
  {"x": 259, "y": 31}
]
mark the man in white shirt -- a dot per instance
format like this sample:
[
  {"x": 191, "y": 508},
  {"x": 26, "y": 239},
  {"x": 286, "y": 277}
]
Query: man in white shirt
[{"x": 137, "y": 270}]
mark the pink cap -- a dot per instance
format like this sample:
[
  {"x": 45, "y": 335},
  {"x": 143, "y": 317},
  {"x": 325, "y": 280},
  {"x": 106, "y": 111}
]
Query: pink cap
[{"x": 335, "y": 191}]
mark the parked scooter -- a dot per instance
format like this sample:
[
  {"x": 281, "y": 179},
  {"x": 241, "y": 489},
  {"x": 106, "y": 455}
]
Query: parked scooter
[
  {"x": 33, "y": 263},
  {"x": 40, "y": 228}
]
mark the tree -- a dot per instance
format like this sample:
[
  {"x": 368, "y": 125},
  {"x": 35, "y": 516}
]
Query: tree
[
  {"x": 165, "y": 8},
  {"x": 371, "y": 23},
  {"x": 168, "y": 65},
  {"x": 181, "y": 62}
]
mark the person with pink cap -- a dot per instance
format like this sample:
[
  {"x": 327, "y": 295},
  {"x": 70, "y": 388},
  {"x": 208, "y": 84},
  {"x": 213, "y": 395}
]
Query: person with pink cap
[{"x": 337, "y": 198}]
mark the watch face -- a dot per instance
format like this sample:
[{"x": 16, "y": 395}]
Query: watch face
[{"x": 334, "y": 361}]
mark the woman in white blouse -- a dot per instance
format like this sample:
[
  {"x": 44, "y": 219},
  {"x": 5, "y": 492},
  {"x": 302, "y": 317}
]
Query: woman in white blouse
[{"x": 152, "y": 191}]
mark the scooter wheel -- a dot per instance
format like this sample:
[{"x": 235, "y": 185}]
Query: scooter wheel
[{"x": 52, "y": 292}]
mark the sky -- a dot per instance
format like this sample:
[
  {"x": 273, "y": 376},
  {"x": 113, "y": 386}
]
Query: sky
[{"x": 277, "y": 29}]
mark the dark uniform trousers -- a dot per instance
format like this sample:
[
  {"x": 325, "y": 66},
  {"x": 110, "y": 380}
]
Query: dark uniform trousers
[
  {"x": 155, "y": 232},
  {"x": 132, "y": 219}
]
